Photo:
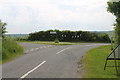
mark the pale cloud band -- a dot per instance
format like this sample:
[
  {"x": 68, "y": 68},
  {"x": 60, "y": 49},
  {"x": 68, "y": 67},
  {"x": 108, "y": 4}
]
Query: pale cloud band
[{"x": 25, "y": 16}]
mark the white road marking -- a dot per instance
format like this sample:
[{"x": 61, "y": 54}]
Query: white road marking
[
  {"x": 44, "y": 46},
  {"x": 48, "y": 46},
  {"x": 37, "y": 48},
  {"x": 26, "y": 74},
  {"x": 88, "y": 45},
  {"x": 31, "y": 49},
  {"x": 27, "y": 51},
  {"x": 63, "y": 50},
  {"x": 41, "y": 47},
  {"x": 96, "y": 44}
]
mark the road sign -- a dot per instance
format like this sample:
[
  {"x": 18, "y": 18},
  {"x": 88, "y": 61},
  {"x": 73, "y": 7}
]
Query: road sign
[{"x": 53, "y": 32}]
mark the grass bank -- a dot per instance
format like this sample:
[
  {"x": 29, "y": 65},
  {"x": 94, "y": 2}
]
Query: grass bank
[
  {"x": 10, "y": 49},
  {"x": 93, "y": 62},
  {"x": 52, "y": 43},
  {"x": 0, "y": 51}
]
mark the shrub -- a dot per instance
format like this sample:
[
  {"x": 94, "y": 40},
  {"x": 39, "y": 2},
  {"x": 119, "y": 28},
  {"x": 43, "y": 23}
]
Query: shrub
[
  {"x": 56, "y": 41},
  {"x": 10, "y": 48}
]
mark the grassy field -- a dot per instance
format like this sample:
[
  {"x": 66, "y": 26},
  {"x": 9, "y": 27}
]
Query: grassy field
[
  {"x": 10, "y": 49},
  {"x": 94, "y": 63}
]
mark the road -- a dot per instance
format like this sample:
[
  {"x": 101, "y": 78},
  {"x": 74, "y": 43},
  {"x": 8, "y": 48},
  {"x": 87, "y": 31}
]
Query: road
[{"x": 47, "y": 61}]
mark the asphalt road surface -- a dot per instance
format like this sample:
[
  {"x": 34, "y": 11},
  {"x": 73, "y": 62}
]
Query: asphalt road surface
[{"x": 47, "y": 61}]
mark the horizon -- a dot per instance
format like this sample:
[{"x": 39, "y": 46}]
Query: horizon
[
  {"x": 28, "y": 16},
  {"x": 59, "y": 30}
]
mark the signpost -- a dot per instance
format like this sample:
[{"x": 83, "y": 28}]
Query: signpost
[{"x": 53, "y": 33}]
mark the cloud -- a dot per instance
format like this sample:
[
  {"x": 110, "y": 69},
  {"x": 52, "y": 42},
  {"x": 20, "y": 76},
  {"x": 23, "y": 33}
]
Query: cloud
[{"x": 25, "y": 16}]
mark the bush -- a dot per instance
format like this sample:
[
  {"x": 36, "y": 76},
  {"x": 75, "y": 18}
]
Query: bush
[
  {"x": 10, "y": 49},
  {"x": 56, "y": 41}
]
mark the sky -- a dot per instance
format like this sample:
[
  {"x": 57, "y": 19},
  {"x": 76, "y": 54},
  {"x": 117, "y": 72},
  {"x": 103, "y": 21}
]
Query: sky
[{"x": 26, "y": 16}]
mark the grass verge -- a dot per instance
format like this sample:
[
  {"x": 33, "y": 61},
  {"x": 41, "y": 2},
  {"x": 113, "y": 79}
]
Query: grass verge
[
  {"x": 10, "y": 50},
  {"x": 0, "y": 51},
  {"x": 52, "y": 43},
  {"x": 58, "y": 44},
  {"x": 94, "y": 61}
]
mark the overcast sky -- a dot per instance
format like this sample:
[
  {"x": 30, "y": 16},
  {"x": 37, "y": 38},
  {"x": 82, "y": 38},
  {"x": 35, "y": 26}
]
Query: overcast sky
[{"x": 25, "y": 16}]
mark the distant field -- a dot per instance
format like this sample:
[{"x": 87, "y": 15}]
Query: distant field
[
  {"x": 110, "y": 33},
  {"x": 94, "y": 61},
  {"x": 17, "y": 35}
]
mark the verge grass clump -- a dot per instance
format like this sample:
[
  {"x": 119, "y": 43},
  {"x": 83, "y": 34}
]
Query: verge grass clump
[
  {"x": 52, "y": 43},
  {"x": 56, "y": 41},
  {"x": 10, "y": 49}
]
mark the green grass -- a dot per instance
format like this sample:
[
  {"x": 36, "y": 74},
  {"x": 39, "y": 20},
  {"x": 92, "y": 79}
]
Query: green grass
[
  {"x": 10, "y": 50},
  {"x": 52, "y": 43},
  {"x": 58, "y": 44},
  {"x": 0, "y": 45},
  {"x": 94, "y": 63},
  {"x": 0, "y": 51}
]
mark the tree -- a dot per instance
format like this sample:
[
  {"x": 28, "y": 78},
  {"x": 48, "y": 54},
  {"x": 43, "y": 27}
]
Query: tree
[
  {"x": 114, "y": 8},
  {"x": 2, "y": 28}
]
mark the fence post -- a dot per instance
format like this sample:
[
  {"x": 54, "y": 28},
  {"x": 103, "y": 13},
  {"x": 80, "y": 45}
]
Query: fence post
[{"x": 119, "y": 60}]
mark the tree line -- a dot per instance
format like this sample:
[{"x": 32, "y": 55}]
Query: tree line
[{"x": 83, "y": 36}]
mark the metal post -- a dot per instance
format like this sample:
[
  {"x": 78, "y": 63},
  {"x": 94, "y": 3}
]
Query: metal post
[
  {"x": 115, "y": 63},
  {"x": 119, "y": 60},
  {"x": 112, "y": 43},
  {"x": 105, "y": 64}
]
